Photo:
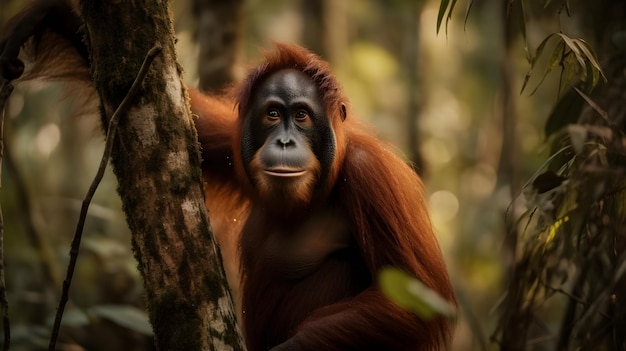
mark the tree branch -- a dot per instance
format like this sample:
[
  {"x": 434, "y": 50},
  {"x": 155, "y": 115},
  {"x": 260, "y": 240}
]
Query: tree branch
[{"x": 111, "y": 131}]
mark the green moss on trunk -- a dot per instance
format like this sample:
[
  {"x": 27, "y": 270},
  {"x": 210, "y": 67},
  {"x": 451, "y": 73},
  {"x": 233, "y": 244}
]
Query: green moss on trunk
[{"x": 157, "y": 162}]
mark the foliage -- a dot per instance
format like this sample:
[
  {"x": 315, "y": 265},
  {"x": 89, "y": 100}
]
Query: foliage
[
  {"x": 447, "y": 7},
  {"x": 572, "y": 261},
  {"x": 574, "y": 56},
  {"x": 410, "y": 293},
  {"x": 568, "y": 275},
  {"x": 567, "y": 284}
]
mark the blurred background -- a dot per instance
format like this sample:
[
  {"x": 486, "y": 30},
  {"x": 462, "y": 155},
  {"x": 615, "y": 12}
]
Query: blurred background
[{"x": 450, "y": 101}]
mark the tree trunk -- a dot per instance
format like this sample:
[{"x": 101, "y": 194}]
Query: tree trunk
[
  {"x": 157, "y": 164},
  {"x": 514, "y": 331},
  {"x": 413, "y": 61},
  {"x": 218, "y": 34},
  {"x": 314, "y": 31}
]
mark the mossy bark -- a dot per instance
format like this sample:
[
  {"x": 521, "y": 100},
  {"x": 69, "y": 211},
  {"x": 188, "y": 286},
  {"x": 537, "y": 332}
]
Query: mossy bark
[{"x": 157, "y": 162}]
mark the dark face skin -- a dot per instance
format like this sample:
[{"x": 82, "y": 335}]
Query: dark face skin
[{"x": 287, "y": 138}]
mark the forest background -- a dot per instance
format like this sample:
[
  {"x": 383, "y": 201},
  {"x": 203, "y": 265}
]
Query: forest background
[{"x": 448, "y": 94}]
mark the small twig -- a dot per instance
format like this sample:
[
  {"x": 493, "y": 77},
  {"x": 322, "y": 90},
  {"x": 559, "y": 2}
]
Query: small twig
[
  {"x": 5, "y": 91},
  {"x": 110, "y": 137}
]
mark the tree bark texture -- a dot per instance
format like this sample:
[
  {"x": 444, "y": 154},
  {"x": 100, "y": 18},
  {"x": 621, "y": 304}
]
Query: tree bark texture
[{"x": 157, "y": 163}]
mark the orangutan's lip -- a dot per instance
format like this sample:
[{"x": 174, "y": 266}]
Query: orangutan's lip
[{"x": 284, "y": 172}]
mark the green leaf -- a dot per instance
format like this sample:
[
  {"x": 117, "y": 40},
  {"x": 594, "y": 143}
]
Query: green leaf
[
  {"x": 125, "y": 316},
  {"x": 540, "y": 48},
  {"x": 526, "y": 79},
  {"x": 409, "y": 293},
  {"x": 591, "y": 58},
  {"x": 575, "y": 49},
  {"x": 467, "y": 12},
  {"x": 443, "y": 6},
  {"x": 555, "y": 59},
  {"x": 590, "y": 71},
  {"x": 72, "y": 317},
  {"x": 524, "y": 31},
  {"x": 571, "y": 72},
  {"x": 533, "y": 61},
  {"x": 555, "y": 228},
  {"x": 566, "y": 111},
  {"x": 593, "y": 105}
]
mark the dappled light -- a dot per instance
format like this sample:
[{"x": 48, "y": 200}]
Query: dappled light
[
  {"x": 444, "y": 205},
  {"x": 47, "y": 140},
  {"x": 521, "y": 171}
]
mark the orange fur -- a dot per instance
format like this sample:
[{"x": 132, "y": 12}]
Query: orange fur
[
  {"x": 385, "y": 209},
  {"x": 308, "y": 277},
  {"x": 288, "y": 192}
]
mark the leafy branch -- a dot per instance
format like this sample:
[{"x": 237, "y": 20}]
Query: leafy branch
[{"x": 574, "y": 56}]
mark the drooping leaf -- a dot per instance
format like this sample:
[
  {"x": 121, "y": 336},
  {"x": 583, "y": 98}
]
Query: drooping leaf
[
  {"x": 566, "y": 111},
  {"x": 540, "y": 48},
  {"x": 411, "y": 294},
  {"x": 593, "y": 104},
  {"x": 524, "y": 32},
  {"x": 590, "y": 71},
  {"x": 554, "y": 228},
  {"x": 533, "y": 61},
  {"x": 571, "y": 72},
  {"x": 467, "y": 12},
  {"x": 571, "y": 44},
  {"x": 576, "y": 58},
  {"x": 526, "y": 79},
  {"x": 590, "y": 56},
  {"x": 553, "y": 61},
  {"x": 443, "y": 7}
]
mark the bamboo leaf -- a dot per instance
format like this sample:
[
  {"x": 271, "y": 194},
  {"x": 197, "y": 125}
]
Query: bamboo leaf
[
  {"x": 553, "y": 61},
  {"x": 554, "y": 228},
  {"x": 575, "y": 49},
  {"x": 443, "y": 7},
  {"x": 595, "y": 77},
  {"x": 467, "y": 12},
  {"x": 565, "y": 112},
  {"x": 540, "y": 48},
  {"x": 571, "y": 71},
  {"x": 526, "y": 78},
  {"x": 584, "y": 47},
  {"x": 524, "y": 33},
  {"x": 546, "y": 164},
  {"x": 592, "y": 103},
  {"x": 450, "y": 14},
  {"x": 533, "y": 61}
]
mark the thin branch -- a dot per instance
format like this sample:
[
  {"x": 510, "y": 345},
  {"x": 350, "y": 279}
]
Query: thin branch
[
  {"x": 110, "y": 137},
  {"x": 5, "y": 91}
]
